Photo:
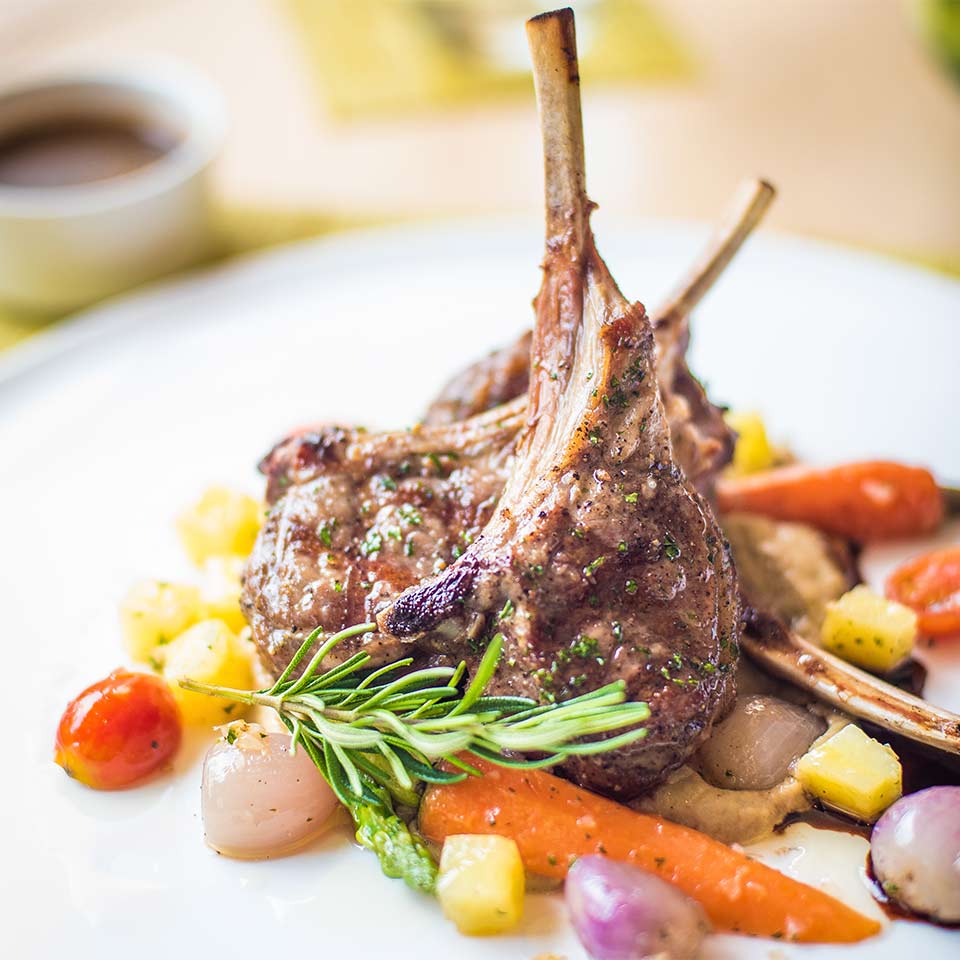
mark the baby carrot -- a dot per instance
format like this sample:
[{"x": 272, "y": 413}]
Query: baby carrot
[
  {"x": 553, "y": 822},
  {"x": 862, "y": 501}
]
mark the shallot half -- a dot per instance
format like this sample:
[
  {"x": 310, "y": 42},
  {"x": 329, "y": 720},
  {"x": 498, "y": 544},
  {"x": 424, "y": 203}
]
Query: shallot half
[
  {"x": 621, "y": 912},
  {"x": 752, "y": 749},
  {"x": 259, "y": 798},
  {"x": 915, "y": 850}
]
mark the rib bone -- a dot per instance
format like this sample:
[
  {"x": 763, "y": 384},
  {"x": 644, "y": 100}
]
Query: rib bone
[
  {"x": 786, "y": 654},
  {"x": 702, "y": 442},
  {"x": 473, "y": 422},
  {"x": 601, "y": 561}
]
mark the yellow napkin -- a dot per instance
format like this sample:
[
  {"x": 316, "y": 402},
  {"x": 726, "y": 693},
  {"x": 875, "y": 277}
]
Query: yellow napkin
[{"x": 383, "y": 56}]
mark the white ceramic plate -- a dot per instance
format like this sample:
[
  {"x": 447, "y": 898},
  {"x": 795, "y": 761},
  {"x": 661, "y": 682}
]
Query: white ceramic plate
[{"x": 109, "y": 425}]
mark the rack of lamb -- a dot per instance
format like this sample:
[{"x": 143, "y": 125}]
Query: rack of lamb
[{"x": 565, "y": 524}]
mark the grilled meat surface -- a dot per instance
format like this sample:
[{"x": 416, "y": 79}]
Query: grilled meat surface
[
  {"x": 495, "y": 379},
  {"x": 601, "y": 561},
  {"x": 702, "y": 442},
  {"x": 355, "y": 518},
  {"x": 565, "y": 523}
]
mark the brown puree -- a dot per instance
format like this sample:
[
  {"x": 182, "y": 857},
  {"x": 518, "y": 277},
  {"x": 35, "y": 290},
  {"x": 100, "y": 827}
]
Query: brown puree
[{"x": 76, "y": 151}]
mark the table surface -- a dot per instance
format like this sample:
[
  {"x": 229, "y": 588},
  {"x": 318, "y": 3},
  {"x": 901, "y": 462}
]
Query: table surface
[{"x": 836, "y": 101}]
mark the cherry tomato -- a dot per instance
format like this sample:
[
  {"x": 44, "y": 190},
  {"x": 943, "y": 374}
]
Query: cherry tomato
[
  {"x": 930, "y": 584},
  {"x": 118, "y": 731}
]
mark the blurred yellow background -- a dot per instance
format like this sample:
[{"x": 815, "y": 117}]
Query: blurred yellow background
[{"x": 347, "y": 111}]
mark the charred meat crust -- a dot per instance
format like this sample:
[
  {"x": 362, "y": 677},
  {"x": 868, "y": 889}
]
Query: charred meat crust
[
  {"x": 658, "y": 610},
  {"x": 414, "y": 614},
  {"x": 491, "y": 381},
  {"x": 569, "y": 527},
  {"x": 703, "y": 443}
]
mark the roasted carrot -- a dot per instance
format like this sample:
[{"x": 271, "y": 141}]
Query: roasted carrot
[
  {"x": 553, "y": 822},
  {"x": 862, "y": 501}
]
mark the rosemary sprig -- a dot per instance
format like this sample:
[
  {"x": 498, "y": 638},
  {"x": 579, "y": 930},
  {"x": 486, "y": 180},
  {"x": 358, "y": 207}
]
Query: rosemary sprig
[{"x": 377, "y": 735}]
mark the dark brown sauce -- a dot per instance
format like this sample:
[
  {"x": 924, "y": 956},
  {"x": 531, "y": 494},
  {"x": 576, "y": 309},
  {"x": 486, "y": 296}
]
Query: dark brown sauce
[
  {"x": 826, "y": 820},
  {"x": 911, "y": 676},
  {"x": 829, "y": 820},
  {"x": 896, "y": 911},
  {"x": 76, "y": 151}
]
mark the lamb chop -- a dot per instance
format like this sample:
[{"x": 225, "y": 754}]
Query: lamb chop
[
  {"x": 702, "y": 442},
  {"x": 421, "y": 494},
  {"x": 356, "y": 518},
  {"x": 430, "y": 491},
  {"x": 600, "y": 559}
]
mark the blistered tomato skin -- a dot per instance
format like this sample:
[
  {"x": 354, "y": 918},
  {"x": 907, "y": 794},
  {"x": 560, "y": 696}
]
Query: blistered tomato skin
[{"x": 118, "y": 731}]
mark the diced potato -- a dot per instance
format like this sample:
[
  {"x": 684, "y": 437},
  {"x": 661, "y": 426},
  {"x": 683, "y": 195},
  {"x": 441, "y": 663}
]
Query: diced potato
[
  {"x": 208, "y": 652},
  {"x": 853, "y": 773},
  {"x": 753, "y": 451},
  {"x": 220, "y": 591},
  {"x": 481, "y": 882},
  {"x": 221, "y": 523},
  {"x": 869, "y": 630},
  {"x": 154, "y": 612}
]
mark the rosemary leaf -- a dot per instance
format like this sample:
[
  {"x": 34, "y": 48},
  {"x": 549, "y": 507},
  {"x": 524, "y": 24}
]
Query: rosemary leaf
[{"x": 379, "y": 736}]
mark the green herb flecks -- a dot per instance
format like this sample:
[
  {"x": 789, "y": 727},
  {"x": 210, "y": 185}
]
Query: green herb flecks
[
  {"x": 584, "y": 647},
  {"x": 593, "y": 566},
  {"x": 670, "y": 546},
  {"x": 376, "y": 734},
  {"x": 325, "y": 532},
  {"x": 372, "y": 543},
  {"x": 410, "y": 514}
]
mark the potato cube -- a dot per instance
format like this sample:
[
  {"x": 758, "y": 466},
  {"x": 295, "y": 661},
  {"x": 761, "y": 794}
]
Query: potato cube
[
  {"x": 853, "y": 773},
  {"x": 480, "y": 884},
  {"x": 221, "y": 523},
  {"x": 869, "y": 630},
  {"x": 753, "y": 451},
  {"x": 208, "y": 652},
  {"x": 220, "y": 591},
  {"x": 154, "y": 612}
]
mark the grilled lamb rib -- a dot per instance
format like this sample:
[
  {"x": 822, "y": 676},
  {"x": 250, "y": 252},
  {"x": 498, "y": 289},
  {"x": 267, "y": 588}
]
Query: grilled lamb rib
[
  {"x": 601, "y": 560},
  {"x": 499, "y": 382},
  {"x": 314, "y": 562},
  {"x": 702, "y": 442},
  {"x": 357, "y": 519}
]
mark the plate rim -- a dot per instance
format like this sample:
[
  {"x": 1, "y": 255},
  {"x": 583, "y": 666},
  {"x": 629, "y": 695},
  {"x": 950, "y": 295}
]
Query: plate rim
[
  {"x": 50, "y": 342},
  {"x": 126, "y": 318}
]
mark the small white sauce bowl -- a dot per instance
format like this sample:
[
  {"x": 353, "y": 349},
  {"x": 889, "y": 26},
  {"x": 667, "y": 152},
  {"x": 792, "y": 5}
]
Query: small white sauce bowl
[{"x": 67, "y": 246}]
